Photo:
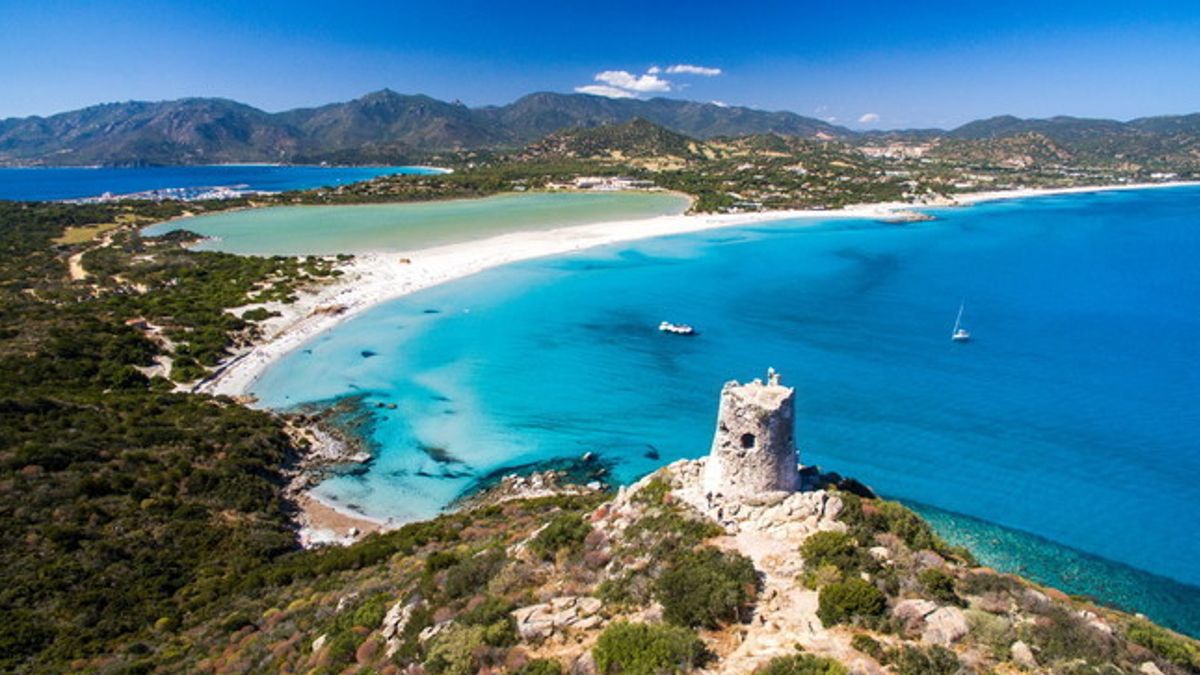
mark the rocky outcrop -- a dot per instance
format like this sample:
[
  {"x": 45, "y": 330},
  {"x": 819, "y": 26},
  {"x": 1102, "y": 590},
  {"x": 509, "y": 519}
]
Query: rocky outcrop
[{"x": 539, "y": 622}]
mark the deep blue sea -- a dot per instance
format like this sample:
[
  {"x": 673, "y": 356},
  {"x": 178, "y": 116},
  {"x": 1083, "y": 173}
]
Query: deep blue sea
[
  {"x": 50, "y": 184},
  {"x": 1062, "y": 442}
]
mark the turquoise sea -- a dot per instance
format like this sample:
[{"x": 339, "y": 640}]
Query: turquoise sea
[
  {"x": 1063, "y": 442},
  {"x": 51, "y": 184},
  {"x": 317, "y": 230}
]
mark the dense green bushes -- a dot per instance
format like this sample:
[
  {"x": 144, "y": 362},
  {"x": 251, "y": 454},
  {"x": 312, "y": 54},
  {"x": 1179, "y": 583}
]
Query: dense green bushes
[
  {"x": 910, "y": 660},
  {"x": 647, "y": 649},
  {"x": 1162, "y": 642},
  {"x": 868, "y": 517},
  {"x": 939, "y": 585},
  {"x": 565, "y": 532},
  {"x": 707, "y": 587},
  {"x": 849, "y": 601}
]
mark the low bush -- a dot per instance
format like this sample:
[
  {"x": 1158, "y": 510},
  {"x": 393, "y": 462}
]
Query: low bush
[
  {"x": 939, "y": 585},
  {"x": 539, "y": 667},
  {"x": 981, "y": 583},
  {"x": 565, "y": 531},
  {"x": 647, "y": 649},
  {"x": 935, "y": 660},
  {"x": 838, "y": 549},
  {"x": 850, "y": 601},
  {"x": 706, "y": 588},
  {"x": 469, "y": 576},
  {"x": 802, "y": 664},
  {"x": 1061, "y": 635},
  {"x": 868, "y": 645},
  {"x": 1173, "y": 648},
  {"x": 454, "y": 651},
  {"x": 500, "y": 629}
]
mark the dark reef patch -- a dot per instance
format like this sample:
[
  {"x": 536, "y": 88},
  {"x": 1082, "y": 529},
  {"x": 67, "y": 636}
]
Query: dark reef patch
[{"x": 440, "y": 455}]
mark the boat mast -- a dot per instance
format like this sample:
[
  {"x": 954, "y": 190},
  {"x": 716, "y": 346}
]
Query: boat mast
[{"x": 958, "y": 320}]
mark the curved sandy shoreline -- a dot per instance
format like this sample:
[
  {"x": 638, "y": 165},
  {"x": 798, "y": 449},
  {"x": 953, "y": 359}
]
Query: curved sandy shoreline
[{"x": 372, "y": 278}]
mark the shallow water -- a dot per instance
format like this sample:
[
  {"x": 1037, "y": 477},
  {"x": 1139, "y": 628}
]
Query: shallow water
[
  {"x": 42, "y": 184},
  {"x": 1072, "y": 416},
  {"x": 309, "y": 230}
]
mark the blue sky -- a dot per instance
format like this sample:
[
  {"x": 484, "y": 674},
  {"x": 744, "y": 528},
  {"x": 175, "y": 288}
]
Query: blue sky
[{"x": 863, "y": 64}]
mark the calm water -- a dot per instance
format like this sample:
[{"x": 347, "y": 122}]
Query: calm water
[
  {"x": 78, "y": 183},
  {"x": 298, "y": 230},
  {"x": 1073, "y": 416}
]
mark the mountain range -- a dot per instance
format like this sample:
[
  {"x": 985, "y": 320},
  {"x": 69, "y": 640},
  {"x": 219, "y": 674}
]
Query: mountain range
[{"x": 385, "y": 126}]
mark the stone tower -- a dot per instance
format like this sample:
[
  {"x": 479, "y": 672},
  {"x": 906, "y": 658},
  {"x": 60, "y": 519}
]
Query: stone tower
[{"x": 754, "y": 449}]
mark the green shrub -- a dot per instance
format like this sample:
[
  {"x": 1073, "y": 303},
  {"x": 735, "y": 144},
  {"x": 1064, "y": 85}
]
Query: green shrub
[
  {"x": 916, "y": 661},
  {"x": 981, "y": 583},
  {"x": 500, "y": 629},
  {"x": 706, "y": 588},
  {"x": 939, "y": 585},
  {"x": 565, "y": 531},
  {"x": 868, "y": 645},
  {"x": 802, "y": 664},
  {"x": 667, "y": 533},
  {"x": 1178, "y": 650},
  {"x": 539, "y": 667},
  {"x": 831, "y": 548},
  {"x": 653, "y": 492},
  {"x": 453, "y": 651},
  {"x": 868, "y": 517},
  {"x": 647, "y": 649},
  {"x": 472, "y": 575},
  {"x": 1061, "y": 635},
  {"x": 848, "y": 601}
]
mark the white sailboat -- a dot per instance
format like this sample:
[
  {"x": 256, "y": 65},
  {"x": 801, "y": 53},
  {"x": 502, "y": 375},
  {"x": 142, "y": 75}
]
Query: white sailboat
[{"x": 960, "y": 334}]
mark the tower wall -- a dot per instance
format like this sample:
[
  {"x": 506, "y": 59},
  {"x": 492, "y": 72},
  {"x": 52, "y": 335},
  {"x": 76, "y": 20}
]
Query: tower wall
[{"x": 754, "y": 450}]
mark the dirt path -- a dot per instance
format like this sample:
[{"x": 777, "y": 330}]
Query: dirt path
[{"x": 75, "y": 262}]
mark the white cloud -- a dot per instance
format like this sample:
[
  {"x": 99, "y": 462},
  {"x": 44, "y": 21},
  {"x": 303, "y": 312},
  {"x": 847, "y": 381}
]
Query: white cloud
[
  {"x": 654, "y": 70},
  {"x": 868, "y": 118},
  {"x": 604, "y": 90},
  {"x": 688, "y": 69},
  {"x": 720, "y": 104},
  {"x": 627, "y": 80}
]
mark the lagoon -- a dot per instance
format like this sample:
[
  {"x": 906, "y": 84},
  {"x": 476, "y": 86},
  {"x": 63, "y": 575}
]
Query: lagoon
[{"x": 318, "y": 230}]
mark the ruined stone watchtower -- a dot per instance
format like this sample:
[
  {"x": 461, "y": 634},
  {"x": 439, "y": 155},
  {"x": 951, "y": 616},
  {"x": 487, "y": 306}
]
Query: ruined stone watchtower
[{"x": 754, "y": 450}]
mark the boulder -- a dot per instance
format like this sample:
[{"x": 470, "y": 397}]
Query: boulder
[
  {"x": 1023, "y": 656},
  {"x": 1149, "y": 668},
  {"x": 913, "y": 612},
  {"x": 945, "y": 626}
]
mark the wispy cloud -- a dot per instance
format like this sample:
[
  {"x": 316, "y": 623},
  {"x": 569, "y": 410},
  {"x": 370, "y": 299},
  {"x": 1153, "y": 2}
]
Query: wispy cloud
[
  {"x": 604, "y": 90},
  {"x": 719, "y": 104},
  {"x": 624, "y": 84},
  {"x": 688, "y": 69},
  {"x": 868, "y": 118}
]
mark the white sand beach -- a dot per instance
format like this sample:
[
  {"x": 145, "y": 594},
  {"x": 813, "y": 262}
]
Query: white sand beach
[{"x": 372, "y": 278}]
